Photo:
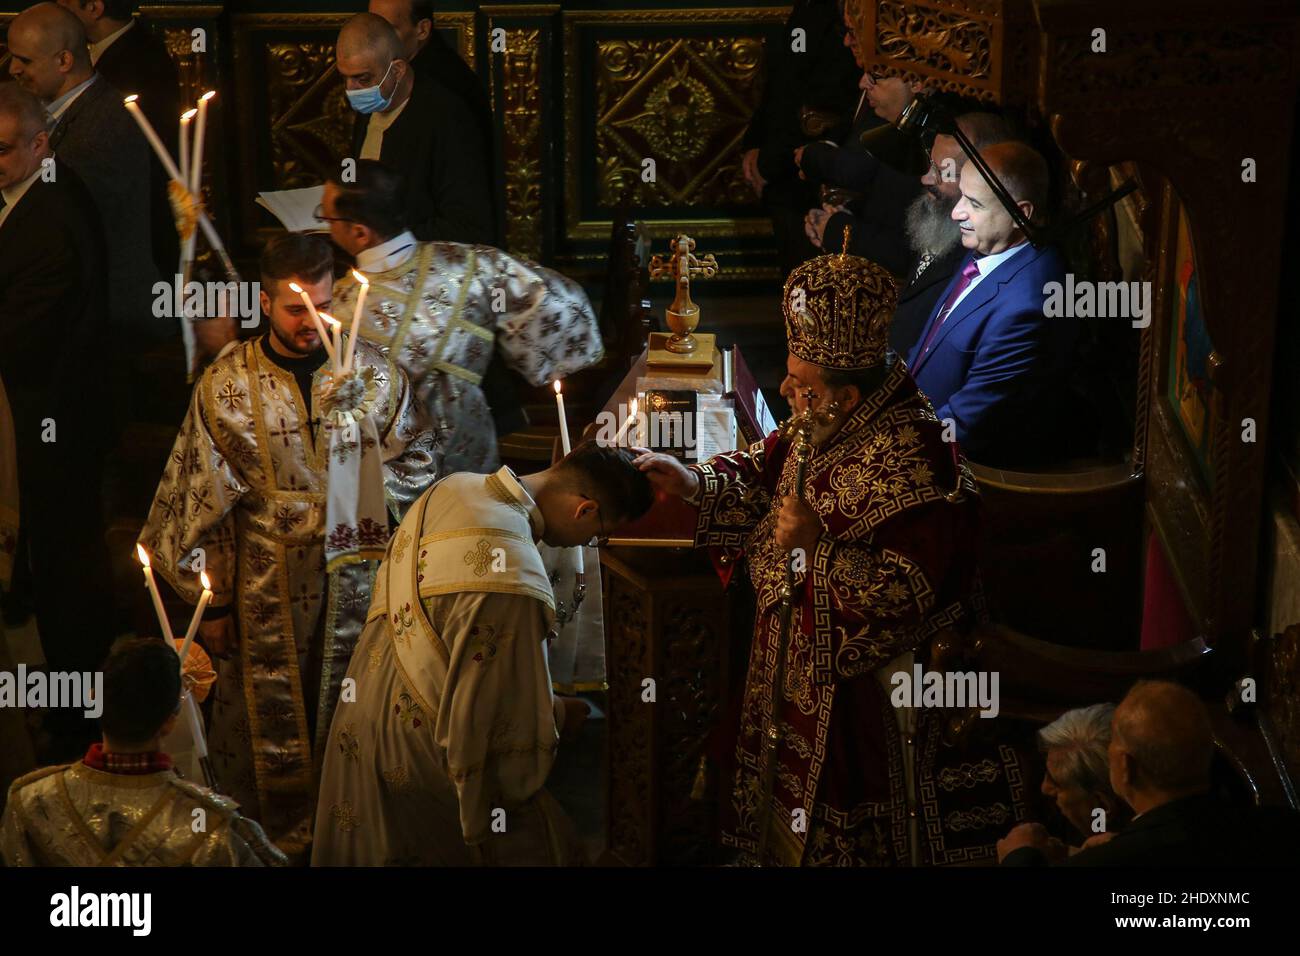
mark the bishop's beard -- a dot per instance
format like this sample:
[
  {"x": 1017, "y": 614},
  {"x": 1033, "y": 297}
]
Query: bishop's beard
[{"x": 929, "y": 223}]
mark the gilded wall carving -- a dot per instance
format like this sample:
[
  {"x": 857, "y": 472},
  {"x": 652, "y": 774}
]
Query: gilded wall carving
[
  {"x": 684, "y": 103},
  {"x": 521, "y": 140},
  {"x": 937, "y": 38},
  {"x": 311, "y": 123},
  {"x": 648, "y": 85}
]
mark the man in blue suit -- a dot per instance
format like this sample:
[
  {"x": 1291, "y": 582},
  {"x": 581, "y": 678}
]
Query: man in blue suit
[{"x": 990, "y": 361}]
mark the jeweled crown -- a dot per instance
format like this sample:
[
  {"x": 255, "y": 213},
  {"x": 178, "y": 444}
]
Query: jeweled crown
[{"x": 837, "y": 311}]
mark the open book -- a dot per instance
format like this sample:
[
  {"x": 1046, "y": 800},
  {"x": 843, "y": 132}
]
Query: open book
[{"x": 295, "y": 208}]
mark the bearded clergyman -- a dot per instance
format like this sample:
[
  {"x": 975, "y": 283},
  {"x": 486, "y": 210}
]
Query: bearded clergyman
[
  {"x": 282, "y": 484},
  {"x": 880, "y": 546}
]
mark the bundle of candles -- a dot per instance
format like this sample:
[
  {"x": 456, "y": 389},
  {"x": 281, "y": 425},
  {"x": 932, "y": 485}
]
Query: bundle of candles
[
  {"x": 189, "y": 706},
  {"x": 186, "y": 193},
  {"x": 341, "y": 361}
]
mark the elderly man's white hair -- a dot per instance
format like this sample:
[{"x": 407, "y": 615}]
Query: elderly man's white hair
[
  {"x": 1081, "y": 736},
  {"x": 30, "y": 112}
]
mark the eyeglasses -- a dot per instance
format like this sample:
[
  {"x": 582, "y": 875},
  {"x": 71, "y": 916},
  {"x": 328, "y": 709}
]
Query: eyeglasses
[
  {"x": 321, "y": 217},
  {"x": 601, "y": 539}
]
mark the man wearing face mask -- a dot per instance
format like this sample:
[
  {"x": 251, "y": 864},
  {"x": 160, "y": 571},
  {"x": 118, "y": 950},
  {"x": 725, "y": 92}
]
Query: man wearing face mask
[
  {"x": 882, "y": 549},
  {"x": 442, "y": 758},
  {"x": 415, "y": 126}
]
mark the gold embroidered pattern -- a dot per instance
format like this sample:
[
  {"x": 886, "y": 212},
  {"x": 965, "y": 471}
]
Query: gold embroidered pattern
[
  {"x": 345, "y": 816},
  {"x": 968, "y": 775},
  {"x": 408, "y": 711},
  {"x": 400, "y": 544},
  {"x": 348, "y": 745},
  {"x": 977, "y": 818},
  {"x": 397, "y": 777},
  {"x": 480, "y": 559}
]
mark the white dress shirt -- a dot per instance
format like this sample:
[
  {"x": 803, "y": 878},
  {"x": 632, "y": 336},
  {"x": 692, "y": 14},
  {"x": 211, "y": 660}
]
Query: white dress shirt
[
  {"x": 387, "y": 255},
  {"x": 986, "y": 265},
  {"x": 57, "y": 107}
]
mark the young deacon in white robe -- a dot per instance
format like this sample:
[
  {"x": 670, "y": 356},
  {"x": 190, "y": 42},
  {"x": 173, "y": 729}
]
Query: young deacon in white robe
[
  {"x": 443, "y": 757},
  {"x": 123, "y": 804},
  {"x": 439, "y": 309},
  {"x": 251, "y": 488}
]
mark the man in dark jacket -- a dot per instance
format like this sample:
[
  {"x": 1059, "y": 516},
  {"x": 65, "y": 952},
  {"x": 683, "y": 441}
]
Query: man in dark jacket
[
  {"x": 414, "y": 125},
  {"x": 51, "y": 325},
  {"x": 810, "y": 92},
  {"x": 1161, "y": 749},
  {"x": 133, "y": 60}
]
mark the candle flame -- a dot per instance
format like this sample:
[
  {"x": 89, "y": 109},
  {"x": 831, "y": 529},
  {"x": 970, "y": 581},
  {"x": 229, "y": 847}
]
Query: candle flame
[
  {"x": 142, "y": 554},
  {"x": 208, "y": 95},
  {"x": 360, "y": 278},
  {"x": 131, "y": 99},
  {"x": 203, "y": 578},
  {"x": 557, "y": 386},
  {"x": 188, "y": 115},
  {"x": 295, "y": 287},
  {"x": 329, "y": 318},
  {"x": 632, "y": 409}
]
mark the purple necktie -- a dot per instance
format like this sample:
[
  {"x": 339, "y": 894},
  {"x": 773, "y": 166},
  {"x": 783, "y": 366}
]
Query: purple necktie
[{"x": 968, "y": 272}]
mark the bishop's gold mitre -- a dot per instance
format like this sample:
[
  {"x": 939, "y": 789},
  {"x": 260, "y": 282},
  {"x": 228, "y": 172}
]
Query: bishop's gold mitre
[{"x": 837, "y": 311}]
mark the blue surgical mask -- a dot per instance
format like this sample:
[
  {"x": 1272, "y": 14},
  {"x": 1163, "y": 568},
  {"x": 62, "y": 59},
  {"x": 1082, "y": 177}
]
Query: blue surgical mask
[{"x": 371, "y": 99}]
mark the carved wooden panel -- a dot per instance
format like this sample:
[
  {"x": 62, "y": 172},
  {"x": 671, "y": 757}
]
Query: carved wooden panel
[
  {"x": 1190, "y": 102},
  {"x": 1280, "y": 693},
  {"x": 667, "y": 619},
  {"x": 676, "y": 87},
  {"x": 521, "y": 88},
  {"x": 981, "y": 48}
]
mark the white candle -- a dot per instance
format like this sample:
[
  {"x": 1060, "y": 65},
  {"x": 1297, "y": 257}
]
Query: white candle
[
  {"x": 627, "y": 423},
  {"x": 157, "y": 598},
  {"x": 193, "y": 629},
  {"x": 564, "y": 425},
  {"x": 191, "y": 707},
  {"x": 356, "y": 318},
  {"x": 196, "y": 170},
  {"x": 335, "y": 329},
  {"x": 315, "y": 317},
  {"x": 186, "y": 118},
  {"x": 133, "y": 107},
  {"x": 564, "y": 443}
]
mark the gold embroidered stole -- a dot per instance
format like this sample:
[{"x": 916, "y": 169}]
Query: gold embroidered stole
[
  {"x": 476, "y": 550},
  {"x": 273, "y": 687}
]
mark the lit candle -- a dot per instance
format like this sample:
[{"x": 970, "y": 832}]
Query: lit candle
[
  {"x": 335, "y": 328},
  {"x": 315, "y": 317},
  {"x": 198, "y": 616},
  {"x": 133, "y": 107},
  {"x": 564, "y": 425},
  {"x": 356, "y": 318},
  {"x": 196, "y": 170},
  {"x": 564, "y": 443},
  {"x": 152, "y": 585},
  {"x": 186, "y": 118},
  {"x": 631, "y": 417}
]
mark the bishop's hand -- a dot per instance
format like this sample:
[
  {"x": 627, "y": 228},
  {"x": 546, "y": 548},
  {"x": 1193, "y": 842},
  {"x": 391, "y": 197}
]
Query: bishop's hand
[
  {"x": 797, "y": 526},
  {"x": 666, "y": 473}
]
